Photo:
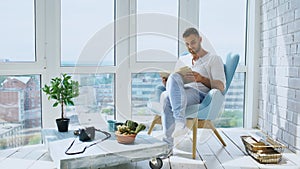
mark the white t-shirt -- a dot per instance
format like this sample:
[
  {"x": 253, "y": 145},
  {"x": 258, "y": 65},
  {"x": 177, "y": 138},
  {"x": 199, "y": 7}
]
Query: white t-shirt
[{"x": 210, "y": 66}]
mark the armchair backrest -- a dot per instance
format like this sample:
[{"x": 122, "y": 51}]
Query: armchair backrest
[
  {"x": 210, "y": 107},
  {"x": 229, "y": 68}
]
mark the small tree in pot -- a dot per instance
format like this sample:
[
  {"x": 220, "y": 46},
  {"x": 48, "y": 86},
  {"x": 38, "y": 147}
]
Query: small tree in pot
[{"x": 62, "y": 90}]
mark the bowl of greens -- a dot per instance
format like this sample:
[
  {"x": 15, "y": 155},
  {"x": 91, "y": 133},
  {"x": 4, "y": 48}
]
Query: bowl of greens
[{"x": 127, "y": 132}]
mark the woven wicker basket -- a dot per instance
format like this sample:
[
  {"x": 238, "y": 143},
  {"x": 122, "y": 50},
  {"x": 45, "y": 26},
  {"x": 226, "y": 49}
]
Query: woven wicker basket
[{"x": 268, "y": 152}]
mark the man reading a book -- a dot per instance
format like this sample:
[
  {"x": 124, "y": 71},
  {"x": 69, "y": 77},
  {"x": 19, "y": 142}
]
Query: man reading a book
[{"x": 198, "y": 72}]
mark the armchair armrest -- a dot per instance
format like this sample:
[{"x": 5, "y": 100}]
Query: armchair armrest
[
  {"x": 210, "y": 107},
  {"x": 157, "y": 92},
  {"x": 154, "y": 107}
]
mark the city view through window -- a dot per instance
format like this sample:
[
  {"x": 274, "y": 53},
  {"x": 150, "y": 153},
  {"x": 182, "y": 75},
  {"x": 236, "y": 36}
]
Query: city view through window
[
  {"x": 20, "y": 108},
  {"x": 20, "y": 111}
]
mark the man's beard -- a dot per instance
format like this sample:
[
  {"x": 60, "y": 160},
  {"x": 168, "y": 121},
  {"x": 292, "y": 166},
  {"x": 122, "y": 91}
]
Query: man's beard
[
  {"x": 199, "y": 48},
  {"x": 195, "y": 51}
]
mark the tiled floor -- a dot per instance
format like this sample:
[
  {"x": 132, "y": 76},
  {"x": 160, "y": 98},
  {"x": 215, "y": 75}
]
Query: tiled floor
[{"x": 210, "y": 154}]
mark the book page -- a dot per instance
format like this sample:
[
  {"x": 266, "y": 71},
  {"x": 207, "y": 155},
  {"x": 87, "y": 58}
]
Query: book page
[{"x": 184, "y": 70}]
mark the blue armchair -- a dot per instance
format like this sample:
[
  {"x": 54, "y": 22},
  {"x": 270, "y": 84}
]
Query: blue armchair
[{"x": 201, "y": 115}]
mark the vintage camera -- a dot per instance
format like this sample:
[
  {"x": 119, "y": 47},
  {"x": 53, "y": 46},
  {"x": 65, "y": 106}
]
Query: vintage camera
[{"x": 85, "y": 134}]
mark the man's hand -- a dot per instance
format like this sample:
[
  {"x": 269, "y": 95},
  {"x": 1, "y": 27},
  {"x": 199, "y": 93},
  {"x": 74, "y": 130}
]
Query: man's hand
[
  {"x": 212, "y": 84},
  {"x": 198, "y": 77},
  {"x": 189, "y": 77}
]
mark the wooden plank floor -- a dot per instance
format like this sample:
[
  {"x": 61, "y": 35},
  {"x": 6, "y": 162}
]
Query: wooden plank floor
[{"x": 210, "y": 155}]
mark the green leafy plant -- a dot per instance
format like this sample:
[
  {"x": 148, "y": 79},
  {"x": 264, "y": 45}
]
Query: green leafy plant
[
  {"x": 130, "y": 127},
  {"x": 62, "y": 90}
]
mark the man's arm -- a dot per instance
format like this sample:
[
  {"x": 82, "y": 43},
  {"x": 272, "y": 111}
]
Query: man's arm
[{"x": 212, "y": 84}]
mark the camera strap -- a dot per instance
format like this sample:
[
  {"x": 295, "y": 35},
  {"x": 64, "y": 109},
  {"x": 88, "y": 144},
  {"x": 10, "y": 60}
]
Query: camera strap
[{"x": 108, "y": 135}]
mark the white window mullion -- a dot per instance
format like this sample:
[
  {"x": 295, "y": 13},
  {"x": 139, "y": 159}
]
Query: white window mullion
[
  {"x": 251, "y": 90},
  {"x": 52, "y": 56},
  {"x": 123, "y": 51},
  {"x": 188, "y": 17}
]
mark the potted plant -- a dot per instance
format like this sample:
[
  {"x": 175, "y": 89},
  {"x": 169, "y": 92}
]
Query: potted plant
[
  {"x": 127, "y": 132},
  {"x": 62, "y": 90}
]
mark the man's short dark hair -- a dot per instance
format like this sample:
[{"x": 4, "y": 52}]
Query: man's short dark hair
[{"x": 190, "y": 31}]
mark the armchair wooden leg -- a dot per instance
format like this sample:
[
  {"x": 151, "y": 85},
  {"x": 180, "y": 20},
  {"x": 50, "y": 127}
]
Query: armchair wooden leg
[
  {"x": 195, "y": 128},
  {"x": 219, "y": 137},
  {"x": 156, "y": 120},
  {"x": 217, "y": 133}
]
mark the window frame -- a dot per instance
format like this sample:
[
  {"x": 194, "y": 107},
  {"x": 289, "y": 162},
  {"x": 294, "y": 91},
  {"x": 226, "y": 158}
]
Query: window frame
[{"x": 47, "y": 65}]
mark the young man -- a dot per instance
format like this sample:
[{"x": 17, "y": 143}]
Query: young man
[{"x": 207, "y": 73}]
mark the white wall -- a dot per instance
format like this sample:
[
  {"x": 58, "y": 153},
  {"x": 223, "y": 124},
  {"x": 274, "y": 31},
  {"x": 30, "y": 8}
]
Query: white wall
[{"x": 279, "y": 65}]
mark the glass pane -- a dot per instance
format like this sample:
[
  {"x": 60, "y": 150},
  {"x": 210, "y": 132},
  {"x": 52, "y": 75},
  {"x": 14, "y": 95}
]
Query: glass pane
[
  {"x": 143, "y": 89},
  {"x": 87, "y": 33},
  {"x": 20, "y": 111},
  {"x": 224, "y": 27},
  {"x": 17, "y": 42},
  {"x": 157, "y": 30},
  {"x": 233, "y": 115},
  {"x": 95, "y": 104}
]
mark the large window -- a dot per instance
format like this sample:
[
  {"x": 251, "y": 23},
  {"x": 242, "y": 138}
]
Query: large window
[
  {"x": 224, "y": 27},
  {"x": 20, "y": 110},
  {"x": 157, "y": 30},
  {"x": 17, "y": 35},
  {"x": 95, "y": 104},
  {"x": 20, "y": 102},
  {"x": 227, "y": 35},
  {"x": 87, "y": 33},
  {"x": 143, "y": 89},
  {"x": 115, "y": 60},
  {"x": 232, "y": 115}
]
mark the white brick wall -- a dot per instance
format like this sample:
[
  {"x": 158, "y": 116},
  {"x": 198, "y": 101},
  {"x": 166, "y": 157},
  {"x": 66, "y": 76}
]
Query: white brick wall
[{"x": 279, "y": 98}]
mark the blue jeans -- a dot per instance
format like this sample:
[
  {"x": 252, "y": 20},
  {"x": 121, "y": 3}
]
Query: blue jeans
[{"x": 175, "y": 100}]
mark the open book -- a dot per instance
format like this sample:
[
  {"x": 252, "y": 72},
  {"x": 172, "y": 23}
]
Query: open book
[{"x": 182, "y": 71}]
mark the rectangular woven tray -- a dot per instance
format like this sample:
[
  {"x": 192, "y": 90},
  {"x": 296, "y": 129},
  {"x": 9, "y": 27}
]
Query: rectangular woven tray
[{"x": 267, "y": 152}]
